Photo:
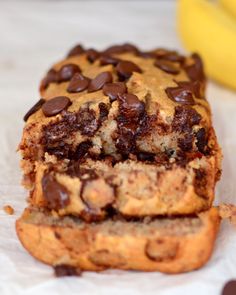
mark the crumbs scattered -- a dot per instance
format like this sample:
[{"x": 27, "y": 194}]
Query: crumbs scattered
[
  {"x": 228, "y": 211},
  {"x": 9, "y": 210}
]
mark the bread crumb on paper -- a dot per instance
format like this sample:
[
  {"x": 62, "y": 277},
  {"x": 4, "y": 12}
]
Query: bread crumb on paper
[
  {"x": 8, "y": 209},
  {"x": 228, "y": 211}
]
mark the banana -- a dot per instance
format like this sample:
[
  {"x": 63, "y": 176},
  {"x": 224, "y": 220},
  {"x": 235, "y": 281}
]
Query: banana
[
  {"x": 207, "y": 29},
  {"x": 229, "y": 6}
]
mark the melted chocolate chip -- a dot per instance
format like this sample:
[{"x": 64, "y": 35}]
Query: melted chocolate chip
[
  {"x": 99, "y": 81},
  {"x": 118, "y": 49},
  {"x": 172, "y": 56},
  {"x": 201, "y": 183},
  {"x": 108, "y": 60},
  {"x": 55, "y": 105},
  {"x": 114, "y": 89},
  {"x": 201, "y": 143},
  {"x": 131, "y": 106},
  {"x": 194, "y": 87},
  {"x": 186, "y": 143},
  {"x": 92, "y": 55},
  {"x": 76, "y": 50},
  {"x": 195, "y": 71},
  {"x": 229, "y": 288},
  {"x": 185, "y": 118},
  {"x": 126, "y": 68},
  {"x": 66, "y": 72},
  {"x": 82, "y": 150},
  {"x": 144, "y": 156},
  {"x": 104, "y": 111},
  {"x": 86, "y": 121},
  {"x": 78, "y": 83},
  {"x": 66, "y": 270},
  {"x": 34, "y": 109},
  {"x": 167, "y": 66},
  {"x": 54, "y": 193},
  {"x": 180, "y": 95}
]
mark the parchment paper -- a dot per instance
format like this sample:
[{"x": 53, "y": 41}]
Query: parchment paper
[{"x": 33, "y": 35}]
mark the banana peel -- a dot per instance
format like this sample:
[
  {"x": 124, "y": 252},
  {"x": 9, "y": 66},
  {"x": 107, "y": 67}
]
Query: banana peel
[
  {"x": 209, "y": 30},
  {"x": 229, "y": 6}
]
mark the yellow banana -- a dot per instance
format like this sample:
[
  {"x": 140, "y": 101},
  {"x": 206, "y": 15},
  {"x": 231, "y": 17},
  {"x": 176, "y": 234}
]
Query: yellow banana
[
  {"x": 207, "y": 29},
  {"x": 229, "y": 6}
]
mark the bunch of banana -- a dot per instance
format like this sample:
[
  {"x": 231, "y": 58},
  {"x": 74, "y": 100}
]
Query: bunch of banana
[{"x": 209, "y": 28}]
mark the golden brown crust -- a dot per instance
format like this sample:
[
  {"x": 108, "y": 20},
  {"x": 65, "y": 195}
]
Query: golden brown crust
[{"x": 165, "y": 245}]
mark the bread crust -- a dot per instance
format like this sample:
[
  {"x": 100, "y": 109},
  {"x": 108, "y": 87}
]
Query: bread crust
[{"x": 165, "y": 245}]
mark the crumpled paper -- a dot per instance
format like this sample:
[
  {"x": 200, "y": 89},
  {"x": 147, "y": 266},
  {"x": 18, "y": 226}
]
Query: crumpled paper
[{"x": 34, "y": 34}]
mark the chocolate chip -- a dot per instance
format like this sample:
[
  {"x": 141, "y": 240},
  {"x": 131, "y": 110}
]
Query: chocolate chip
[
  {"x": 185, "y": 118},
  {"x": 172, "y": 56},
  {"x": 34, "y": 109},
  {"x": 180, "y": 95},
  {"x": 66, "y": 270},
  {"x": 144, "y": 156},
  {"x": 193, "y": 86},
  {"x": 76, "y": 50},
  {"x": 82, "y": 150},
  {"x": 114, "y": 89},
  {"x": 99, "y": 81},
  {"x": 195, "y": 71},
  {"x": 66, "y": 72},
  {"x": 167, "y": 66},
  {"x": 229, "y": 288},
  {"x": 186, "y": 143},
  {"x": 51, "y": 77},
  {"x": 130, "y": 105},
  {"x": 54, "y": 193},
  {"x": 126, "y": 68},
  {"x": 86, "y": 121},
  {"x": 108, "y": 60},
  {"x": 78, "y": 83},
  {"x": 55, "y": 105},
  {"x": 92, "y": 55},
  {"x": 201, "y": 183},
  {"x": 118, "y": 49}
]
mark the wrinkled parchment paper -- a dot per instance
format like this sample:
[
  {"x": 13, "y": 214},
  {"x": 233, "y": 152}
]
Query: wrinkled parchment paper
[{"x": 33, "y": 35}]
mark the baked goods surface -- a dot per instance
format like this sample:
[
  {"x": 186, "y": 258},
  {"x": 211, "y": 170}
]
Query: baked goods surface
[
  {"x": 167, "y": 245},
  {"x": 137, "y": 121}
]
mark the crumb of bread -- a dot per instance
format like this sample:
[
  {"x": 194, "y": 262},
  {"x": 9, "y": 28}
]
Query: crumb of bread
[
  {"x": 228, "y": 211},
  {"x": 8, "y": 209}
]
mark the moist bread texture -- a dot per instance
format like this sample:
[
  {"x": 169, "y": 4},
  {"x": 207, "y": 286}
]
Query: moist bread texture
[
  {"x": 121, "y": 160},
  {"x": 167, "y": 245}
]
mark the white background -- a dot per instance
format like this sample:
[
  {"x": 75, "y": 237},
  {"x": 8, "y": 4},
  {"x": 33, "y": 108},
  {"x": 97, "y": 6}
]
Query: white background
[{"x": 35, "y": 34}]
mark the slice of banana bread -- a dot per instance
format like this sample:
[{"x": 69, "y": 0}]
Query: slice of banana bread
[
  {"x": 170, "y": 245},
  {"x": 139, "y": 120}
]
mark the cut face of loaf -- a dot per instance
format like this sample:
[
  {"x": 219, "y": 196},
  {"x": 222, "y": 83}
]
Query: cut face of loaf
[
  {"x": 95, "y": 190},
  {"x": 170, "y": 245}
]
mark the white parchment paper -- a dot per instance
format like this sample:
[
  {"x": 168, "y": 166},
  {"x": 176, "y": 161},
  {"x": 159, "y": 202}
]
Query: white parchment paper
[{"x": 33, "y": 35}]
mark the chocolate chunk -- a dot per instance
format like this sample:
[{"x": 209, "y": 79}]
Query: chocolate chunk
[
  {"x": 34, "y": 109},
  {"x": 201, "y": 143},
  {"x": 92, "y": 55},
  {"x": 78, "y": 83},
  {"x": 180, "y": 95},
  {"x": 131, "y": 106},
  {"x": 185, "y": 118},
  {"x": 76, "y": 50},
  {"x": 114, "y": 89},
  {"x": 51, "y": 77},
  {"x": 55, "y": 105},
  {"x": 86, "y": 121},
  {"x": 54, "y": 193},
  {"x": 167, "y": 66},
  {"x": 108, "y": 60},
  {"x": 229, "y": 288},
  {"x": 118, "y": 49},
  {"x": 99, "y": 81},
  {"x": 195, "y": 71},
  {"x": 66, "y": 72},
  {"x": 66, "y": 270},
  {"x": 172, "y": 56},
  {"x": 104, "y": 111},
  {"x": 126, "y": 68}
]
